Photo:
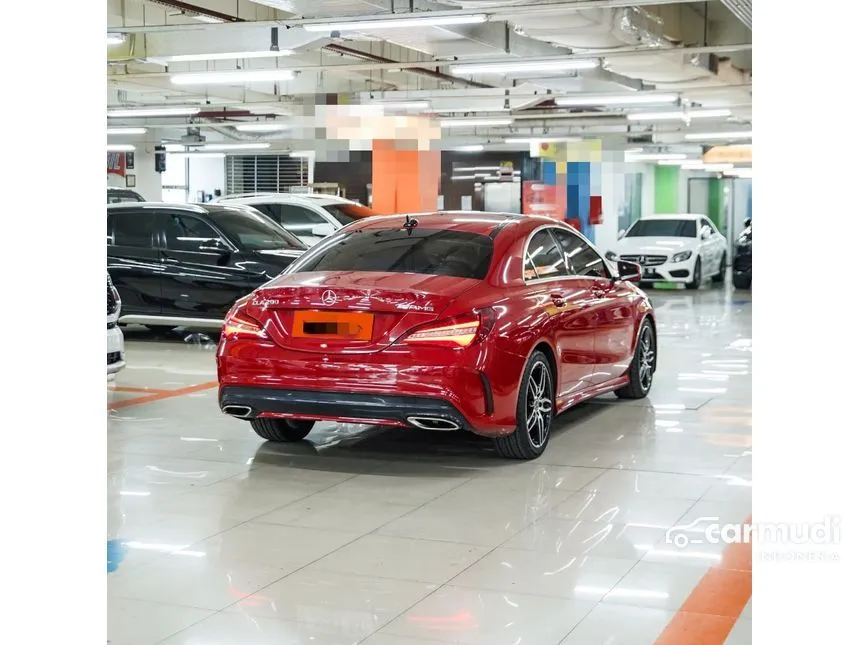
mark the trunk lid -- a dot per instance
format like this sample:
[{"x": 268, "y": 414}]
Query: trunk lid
[{"x": 350, "y": 311}]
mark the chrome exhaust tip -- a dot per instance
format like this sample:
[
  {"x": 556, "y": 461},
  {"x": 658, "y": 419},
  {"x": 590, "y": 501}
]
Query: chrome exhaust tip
[
  {"x": 433, "y": 423},
  {"x": 238, "y": 411}
]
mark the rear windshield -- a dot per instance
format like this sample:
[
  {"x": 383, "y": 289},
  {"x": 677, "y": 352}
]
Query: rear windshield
[
  {"x": 347, "y": 213},
  {"x": 426, "y": 251},
  {"x": 663, "y": 228},
  {"x": 250, "y": 230}
]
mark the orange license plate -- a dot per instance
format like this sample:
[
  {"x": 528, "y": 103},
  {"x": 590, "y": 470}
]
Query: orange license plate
[{"x": 333, "y": 324}]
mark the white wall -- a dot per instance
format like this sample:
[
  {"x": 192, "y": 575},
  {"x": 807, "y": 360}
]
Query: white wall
[
  {"x": 147, "y": 181},
  {"x": 612, "y": 191},
  {"x": 206, "y": 174}
]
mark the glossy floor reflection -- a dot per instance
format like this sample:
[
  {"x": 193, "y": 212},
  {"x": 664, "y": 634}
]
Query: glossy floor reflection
[{"x": 396, "y": 537}]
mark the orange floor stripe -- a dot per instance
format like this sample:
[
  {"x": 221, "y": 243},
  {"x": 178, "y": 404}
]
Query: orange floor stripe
[
  {"x": 139, "y": 390},
  {"x": 164, "y": 394},
  {"x": 709, "y": 614}
]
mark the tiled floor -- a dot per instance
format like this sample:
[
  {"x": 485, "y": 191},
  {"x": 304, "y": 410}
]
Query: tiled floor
[{"x": 395, "y": 537}]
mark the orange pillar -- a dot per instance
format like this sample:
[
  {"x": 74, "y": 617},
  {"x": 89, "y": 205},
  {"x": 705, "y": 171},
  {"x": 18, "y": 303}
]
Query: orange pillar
[{"x": 404, "y": 180}]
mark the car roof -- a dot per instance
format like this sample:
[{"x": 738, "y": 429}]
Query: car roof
[
  {"x": 201, "y": 209},
  {"x": 285, "y": 198},
  {"x": 685, "y": 216},
  {"x": 478, "y": 222}
]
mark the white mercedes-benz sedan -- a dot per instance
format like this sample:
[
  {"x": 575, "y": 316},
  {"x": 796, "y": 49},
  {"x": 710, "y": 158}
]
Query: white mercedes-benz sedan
[{"x": 682, "y": 249}]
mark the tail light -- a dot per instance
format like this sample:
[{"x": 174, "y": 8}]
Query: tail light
[
  {"x": 238, "y": 324},
  {"x": 455, "y": 333}
]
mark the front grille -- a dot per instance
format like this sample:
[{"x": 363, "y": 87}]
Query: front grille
[
  {"x": 114, "y": 357},
  {"x": 645, "y": 260}
]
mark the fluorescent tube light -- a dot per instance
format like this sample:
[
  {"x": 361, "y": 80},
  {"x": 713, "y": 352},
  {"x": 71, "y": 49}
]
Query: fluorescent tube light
[
  {"x": 656, "y": 156},
  {"x": 119, "y": 147},
  {"x": 197, "y": 155},
  {"x": 718, "y": 136},
  {"x": 474, "y": 148},
  {"x": 542, "y": 139},
  {"x": 616, "y": 99},
  {"x": 263, "y": 126},
  {"x": 188, "y": 58},
  {"x": 112, "y": 131},
  {"x": 235, "y": 146},
  {"x": 473, "y": 123},
  {"x": 404, "y": 105},
  {"x": 162, "y": 111},
  {"x": 212, "y": 20},
  {"x": 237, "y": 77},
  {"x": 405, "y": 22},
  {"x": 739, "y": 173},
  {"x": 707, "y": 167},
  {"x": 302, "y": 154},
  {"x": 115, "y": 39},
  {"x": 470, "y": 108},
  {"x": 557, "y": 65},
  {"x": 679, "y": 115}
]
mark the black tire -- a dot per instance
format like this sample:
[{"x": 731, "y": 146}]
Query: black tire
[
  {"x": 697, "y": 276},
  {"x": 721, "y": 276},
  {"x": 646, "y": 354},
  {"x": 282, "y": 430},
  {"x": 160, "y": 329},
  {"x": 524, "y": 443},
  {"x": 742, "y": 281}
]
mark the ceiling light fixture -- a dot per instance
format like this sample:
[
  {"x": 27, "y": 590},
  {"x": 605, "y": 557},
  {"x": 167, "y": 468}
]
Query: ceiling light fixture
[
  {"x": 197, "y": 155},
  {"x": 542, "y": 139},
  {"x": 718, "y": 136},
  {"x": 399, "y": 22},
  {"x": 615, "y": 99},
  {"x": 472, "y": 148},
  {"x": 117, "y": 131},
  {"x": 504, "y": 67},
  {"x": 189, "y": 58},
  {"x": 236, "y": 77},
  {"x": 302, "y": 154},
  {"x": 156, "y": 111},
  {"x": 473, "y": 123},
  {"x": 115, "y": 39},
  {"x": 120, "y": 147},
  {"x": 707, "y": 167},
  {"x": 262, "y": 127},
  {"x": 212, "y": 20},
  {"x": 739, "y": 173},
  {"x": 235, "y": 146},
  {"x": 655, "y": 156},
  {"x": 679, "y": 115}
]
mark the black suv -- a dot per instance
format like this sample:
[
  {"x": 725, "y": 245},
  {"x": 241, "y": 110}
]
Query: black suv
[
  {"x": 186, "y": 264},
  {"x": 742, "y": 264}
]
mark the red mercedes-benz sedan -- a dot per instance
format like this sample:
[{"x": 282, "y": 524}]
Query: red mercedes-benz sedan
[{"x": 484, "y": 322}]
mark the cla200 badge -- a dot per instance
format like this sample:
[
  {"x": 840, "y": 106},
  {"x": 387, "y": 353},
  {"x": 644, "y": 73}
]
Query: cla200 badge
[{"x": 263, "y": 302}]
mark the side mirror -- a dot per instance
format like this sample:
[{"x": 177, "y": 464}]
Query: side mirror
[
  {"x": 214, "y": 246},
  {"x": 706, "y": 233},
  {"x": 621, "y": 233},
  {"x": 322, "y": 230},
  {"x": 629, "y": 271}
]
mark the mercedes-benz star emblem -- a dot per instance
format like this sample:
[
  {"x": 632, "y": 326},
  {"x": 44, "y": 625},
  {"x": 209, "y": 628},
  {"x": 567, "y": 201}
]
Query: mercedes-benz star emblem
[
  {"x": 642, "y": 259},
  {"x": 329, "y": 297}
]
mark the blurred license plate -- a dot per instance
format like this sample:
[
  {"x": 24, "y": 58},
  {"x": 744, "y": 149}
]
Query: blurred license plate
[{"x": 333, "y": 324}]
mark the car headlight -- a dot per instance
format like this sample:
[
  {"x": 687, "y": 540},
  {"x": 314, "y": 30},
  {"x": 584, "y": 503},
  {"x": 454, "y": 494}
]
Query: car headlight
[
  {"x": 682, "y": 256},
  {"x": 611, "y": 256}
]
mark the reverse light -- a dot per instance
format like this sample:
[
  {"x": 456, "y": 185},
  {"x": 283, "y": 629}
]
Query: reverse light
[
  {"x": 682, "y": 256},
  {"x": 455, "y": 333},
  {"x": 240, "y": 325}
]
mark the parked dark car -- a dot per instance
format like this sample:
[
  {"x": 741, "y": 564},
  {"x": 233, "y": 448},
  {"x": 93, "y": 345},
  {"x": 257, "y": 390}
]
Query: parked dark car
[
  {"x": 186, "y": 264},
  {"x": 742, "y": 264},
  {"x": 122, "y": 195}
]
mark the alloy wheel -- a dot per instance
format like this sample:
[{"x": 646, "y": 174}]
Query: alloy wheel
[
  {"x": 646, "y": 359},
  {"x": 539, "y": 404}
]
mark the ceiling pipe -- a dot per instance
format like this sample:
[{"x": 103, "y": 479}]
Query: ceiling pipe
[{"x": 195, "y": 10}]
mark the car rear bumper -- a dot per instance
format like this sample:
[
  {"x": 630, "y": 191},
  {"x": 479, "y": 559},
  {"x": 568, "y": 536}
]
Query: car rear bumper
[{"x": 383, "y": 387}]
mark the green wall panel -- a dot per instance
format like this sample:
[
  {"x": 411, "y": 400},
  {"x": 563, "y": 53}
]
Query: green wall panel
[
  {"x": 715, "y": 201},
  {"x": 666, "y": 189}
]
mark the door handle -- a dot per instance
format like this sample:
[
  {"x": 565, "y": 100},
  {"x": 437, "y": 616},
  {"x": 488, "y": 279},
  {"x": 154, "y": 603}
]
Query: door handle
[{"x": 169, "y": 260}]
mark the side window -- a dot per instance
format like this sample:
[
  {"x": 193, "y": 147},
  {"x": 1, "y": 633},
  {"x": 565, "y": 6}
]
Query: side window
[
  {"x": 298, "y": 220},
  {"x": 185, "y": 232},
  {"x": 543, "y": 258},
  {"x": 131, "y": 228},
  {"x": 581, "y": 258}
]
